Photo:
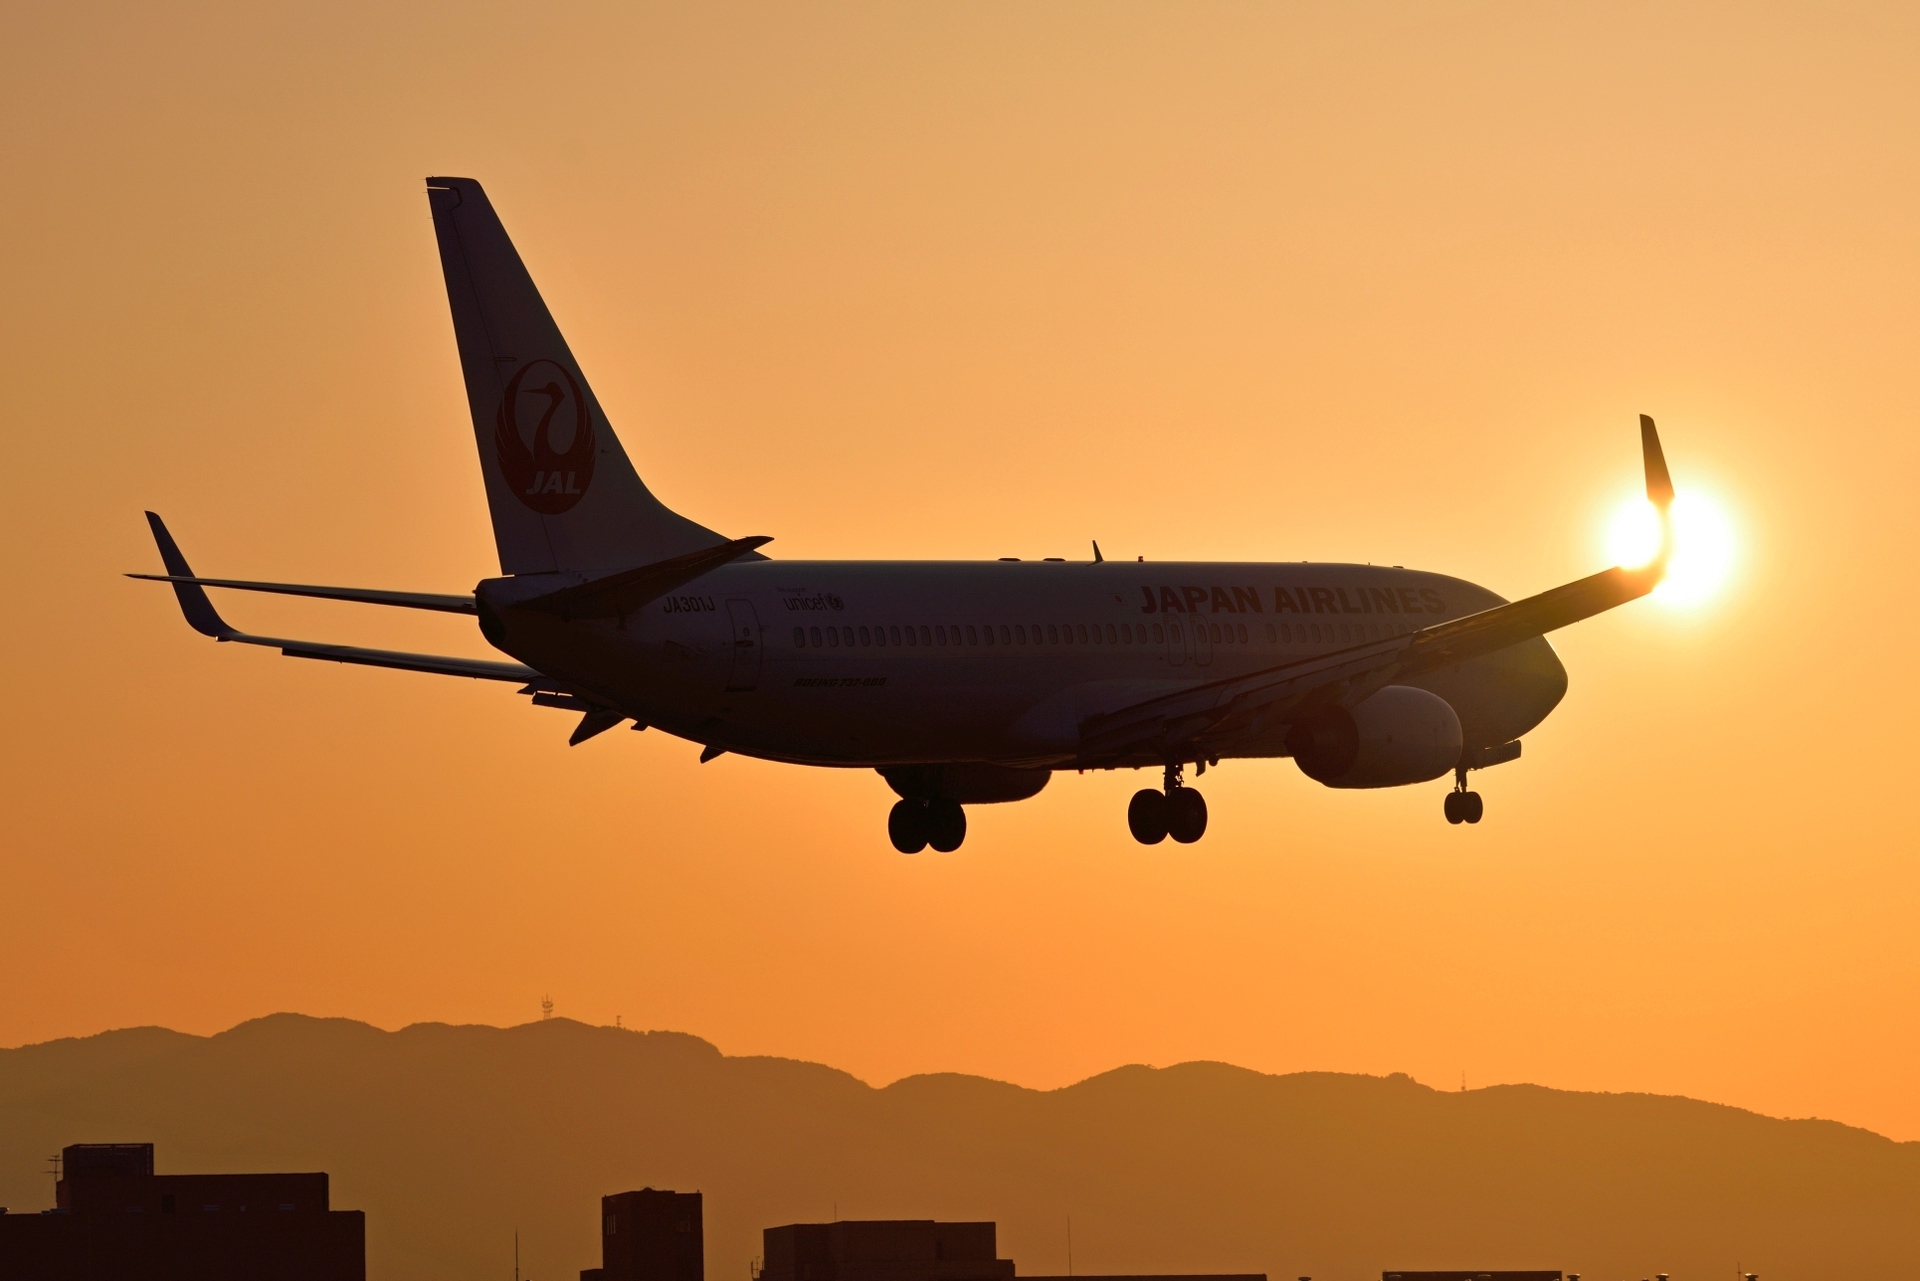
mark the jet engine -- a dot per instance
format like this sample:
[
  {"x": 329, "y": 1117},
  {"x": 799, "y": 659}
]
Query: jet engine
[{"x": 1397, "y": 735}]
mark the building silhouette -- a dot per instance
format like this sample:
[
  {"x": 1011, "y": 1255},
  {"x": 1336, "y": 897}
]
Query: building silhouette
[
  {"x": 114, "y": 1219},
  {"x": 656, "y": 1236},
  {"x": 650, "y": 1236},
  {"x": 883, "y": 1250}
]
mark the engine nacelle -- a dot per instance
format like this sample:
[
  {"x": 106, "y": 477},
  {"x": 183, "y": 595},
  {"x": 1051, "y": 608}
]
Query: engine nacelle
[{"x": 1396, "y": 736}]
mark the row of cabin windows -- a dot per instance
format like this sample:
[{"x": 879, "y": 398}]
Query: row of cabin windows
[{"x": 1082, "y": 634}]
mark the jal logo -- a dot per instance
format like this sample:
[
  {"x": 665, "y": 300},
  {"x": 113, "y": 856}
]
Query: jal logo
[{"x": 544, "y": 437}]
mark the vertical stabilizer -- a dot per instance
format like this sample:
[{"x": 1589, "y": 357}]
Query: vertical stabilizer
[{"x": 562, "y": 492}]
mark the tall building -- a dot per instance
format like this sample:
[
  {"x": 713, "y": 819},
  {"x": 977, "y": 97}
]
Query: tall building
[
  {"x": 114, "y": 1219},
  {"x": 650, "y": 1236}
]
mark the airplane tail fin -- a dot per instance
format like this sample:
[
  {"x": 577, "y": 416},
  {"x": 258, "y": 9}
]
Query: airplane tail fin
[{"x": 561, "y": 490}]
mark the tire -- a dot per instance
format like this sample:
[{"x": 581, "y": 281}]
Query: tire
[
  {"x": 1453, "y": 808},
  {"x": 946, "y": 825},
  {"x": 907, "y": 827},
  {"x": 1472, "y": 807},
  {"x": 1147, "y": 816},
  {"x": 1186, "y": 815}
]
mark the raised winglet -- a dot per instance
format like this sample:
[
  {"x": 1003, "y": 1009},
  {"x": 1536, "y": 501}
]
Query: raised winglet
[
  {"x": 201, "y": 615},
  {"x": 1659, "y": 483}
]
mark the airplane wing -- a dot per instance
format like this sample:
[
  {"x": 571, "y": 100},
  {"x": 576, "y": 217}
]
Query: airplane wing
[
  {"x": 364, "y": 595},
  {"x": 1224, "y": 709},
  {"x": 203, "y": 618}
]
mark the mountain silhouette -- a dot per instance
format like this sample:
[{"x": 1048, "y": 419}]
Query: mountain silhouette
[{"x": 454, "y": 1138}]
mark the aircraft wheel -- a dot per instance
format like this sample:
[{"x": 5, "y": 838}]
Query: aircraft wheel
[
  {"x": 1186, "y": 815},
  {"x": 1455, "y": 812},
  {"x": 946, "y": 825},
  {"x": 1471, "y": 807},
  {"x": 907, "y": 827},
  {"x": 1147, "y": 816}
]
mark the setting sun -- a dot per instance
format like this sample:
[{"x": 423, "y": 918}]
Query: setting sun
[{"x": 1703, "y": 545}]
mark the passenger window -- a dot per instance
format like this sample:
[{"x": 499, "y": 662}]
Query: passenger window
[
  {"x": 973, "y": 635},
  {"x": 833, "y": 638},
  {"x": 816, "y": 638},
  {"x": 1053, "y": 634},
  {"x": 1080, "y": 633},
  {"x": 1006, "y": 636},
  {"x": 1113, "y": 635},
  {"x": 939, "y": 634},
  {"x": 1346, "y": 633},
  {"x": 1316, "y": 633},
  {"x": 1159, "y": 634},
  {"x": 1020, "y": 633},
  {"x": 1242, "y": 629},
  {"x": 866, "y": 637},
  {"x": 896, "y": 635},
  {"x": 799, "y": 638},
  {"x": 1213, "y": 632},
  {"x": 879, "y": 635},
  {"x": 1270, "y": 633}
]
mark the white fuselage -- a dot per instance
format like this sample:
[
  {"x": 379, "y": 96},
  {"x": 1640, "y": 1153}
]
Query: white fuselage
[{"x": 874, "y": 663}]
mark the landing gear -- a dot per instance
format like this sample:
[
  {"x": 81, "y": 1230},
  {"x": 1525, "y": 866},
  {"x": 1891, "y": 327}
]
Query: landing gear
[
  {"x": 914, "y": 825},
  {"x": 1186, "y": 815},
  {"x": 1463, "y": 806},
  {"x": 1179, "y": 812},
  {"x": 1147, "y": 816},
  {"x": 946, "y": 825}
]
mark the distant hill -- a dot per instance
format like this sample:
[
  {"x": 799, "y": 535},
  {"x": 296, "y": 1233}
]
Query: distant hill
[{"x": 450, "y": 1138}]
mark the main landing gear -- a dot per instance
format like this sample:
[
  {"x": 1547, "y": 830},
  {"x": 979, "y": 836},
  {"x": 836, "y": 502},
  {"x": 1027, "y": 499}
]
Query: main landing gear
[
  {"x": 914, "y": 825},
  {"x": 1463, "y": 806},
  {"x": 1179, "y": 812}
]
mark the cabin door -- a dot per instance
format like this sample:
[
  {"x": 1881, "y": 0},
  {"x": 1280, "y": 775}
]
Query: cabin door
[
  {"x": 744, "y": 673},
  {"x": 1202, "y": 644}
]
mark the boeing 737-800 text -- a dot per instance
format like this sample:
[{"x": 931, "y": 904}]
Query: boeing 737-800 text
[{"x": 962, "y": 683}]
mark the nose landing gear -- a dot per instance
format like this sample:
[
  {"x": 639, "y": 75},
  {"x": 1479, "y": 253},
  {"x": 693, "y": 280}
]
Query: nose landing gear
[
  {"x": 914, "y": 825},
  {"x": 1179, "y": 812},
  {"x": 1463, "y": 806}
]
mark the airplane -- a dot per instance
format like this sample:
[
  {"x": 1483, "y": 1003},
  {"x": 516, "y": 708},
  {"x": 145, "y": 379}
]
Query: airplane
[{"x": 961, "y": 682}]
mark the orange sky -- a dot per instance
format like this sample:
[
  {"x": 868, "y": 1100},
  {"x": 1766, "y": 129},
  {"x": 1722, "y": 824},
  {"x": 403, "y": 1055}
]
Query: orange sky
[{"x": 1208, "y": 281}]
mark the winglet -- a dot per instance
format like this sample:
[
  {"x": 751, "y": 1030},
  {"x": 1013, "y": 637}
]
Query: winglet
[
  {"x": 1659, "y": 483},
  {"x": 201, "y": 615}
]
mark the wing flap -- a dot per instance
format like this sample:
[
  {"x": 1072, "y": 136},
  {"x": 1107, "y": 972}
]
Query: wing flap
[{"x": 483, "y": 669}]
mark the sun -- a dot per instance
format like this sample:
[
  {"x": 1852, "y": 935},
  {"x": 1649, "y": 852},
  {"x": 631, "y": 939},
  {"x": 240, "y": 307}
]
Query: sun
[{"x": 1703, "y": 545}]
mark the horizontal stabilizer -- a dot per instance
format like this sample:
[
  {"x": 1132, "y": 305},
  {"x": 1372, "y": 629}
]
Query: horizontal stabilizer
[
  {"x": 445, "y": 603},
  {"x": 618, "y": 595}
]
